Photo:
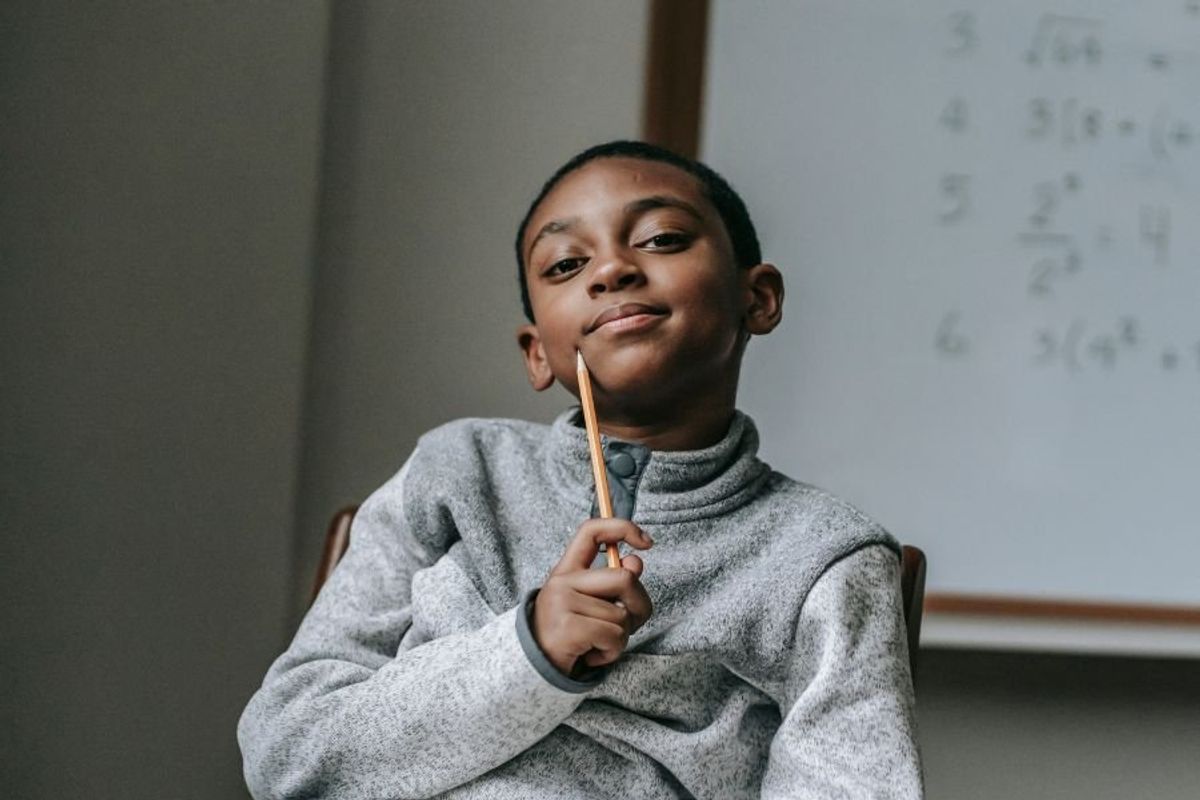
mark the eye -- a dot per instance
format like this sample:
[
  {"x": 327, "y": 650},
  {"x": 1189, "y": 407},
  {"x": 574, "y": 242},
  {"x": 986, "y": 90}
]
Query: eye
[
  {"x": 667, "y": 241},
  {"x": 563, "y": 266}
]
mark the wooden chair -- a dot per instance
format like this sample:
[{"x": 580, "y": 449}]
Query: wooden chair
[
  {"x": 337, "y": 539},
  {"x": 912, "y": 592},
  {"x": 912, "y": 577}
]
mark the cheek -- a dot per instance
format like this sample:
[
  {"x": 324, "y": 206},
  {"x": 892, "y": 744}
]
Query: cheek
[
  {"x": 716, "y": 300},
  {"x": 560, "y": 335}
]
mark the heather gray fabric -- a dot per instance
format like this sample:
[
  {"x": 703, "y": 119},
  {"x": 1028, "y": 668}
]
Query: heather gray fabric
[{"x": 775, "y": 663}]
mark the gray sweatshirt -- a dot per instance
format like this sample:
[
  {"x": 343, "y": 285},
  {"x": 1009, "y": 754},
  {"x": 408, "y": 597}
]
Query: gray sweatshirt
[{"x": 774, "y": 665}]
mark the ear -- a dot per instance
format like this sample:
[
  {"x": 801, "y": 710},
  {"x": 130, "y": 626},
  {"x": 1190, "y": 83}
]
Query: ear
[
  {"x": 536, "y": 365},
  {"x": 763, "y": 286}
]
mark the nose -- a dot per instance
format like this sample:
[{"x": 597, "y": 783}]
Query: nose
[{"x": 613, "y": 274}]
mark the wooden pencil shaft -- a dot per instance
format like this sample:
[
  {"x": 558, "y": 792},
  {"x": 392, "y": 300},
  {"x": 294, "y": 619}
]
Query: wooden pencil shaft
[{"x": 599, "y": 473}]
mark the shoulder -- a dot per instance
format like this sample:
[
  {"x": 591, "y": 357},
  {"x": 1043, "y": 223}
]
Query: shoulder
[
  {"x": 799, "y": 507},
  {"x": 482, "y": 431},
  {"x": 863, "y": 573},
  {"x": 464, "y": 455},
  {"x": 478, "y": 439},
  {"x": 799, "y": 538},
  {"x": 804, "y": 530},
  {"x": 453, "y": 464}
]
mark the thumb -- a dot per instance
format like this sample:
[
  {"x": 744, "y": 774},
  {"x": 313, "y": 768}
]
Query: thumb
[{"x": 633, "y": 564}]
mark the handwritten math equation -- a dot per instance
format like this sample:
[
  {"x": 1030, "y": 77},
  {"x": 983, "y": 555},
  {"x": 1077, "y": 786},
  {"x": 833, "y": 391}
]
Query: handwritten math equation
[{"x": 1077, "y": 235}]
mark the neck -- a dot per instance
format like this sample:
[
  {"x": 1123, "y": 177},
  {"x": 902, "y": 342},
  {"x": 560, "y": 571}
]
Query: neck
[{"x": 683, "y": 426}]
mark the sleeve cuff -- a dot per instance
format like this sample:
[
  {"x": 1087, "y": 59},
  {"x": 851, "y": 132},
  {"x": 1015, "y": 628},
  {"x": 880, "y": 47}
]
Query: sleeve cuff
[{"x": 589, "y": 680}]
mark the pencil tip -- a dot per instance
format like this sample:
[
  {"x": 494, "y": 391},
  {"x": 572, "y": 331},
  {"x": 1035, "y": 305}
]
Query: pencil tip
[{"x": 579, "y": 360}]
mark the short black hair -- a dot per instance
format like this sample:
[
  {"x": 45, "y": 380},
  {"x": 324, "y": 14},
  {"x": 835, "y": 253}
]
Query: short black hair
[{"x": 729, "y": 205}]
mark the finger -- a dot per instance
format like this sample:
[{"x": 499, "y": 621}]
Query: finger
[
  {"x": 596, "y": 608},
  {"x": 616, "y": 585},
  {"x": 637, "y": 602},
  {"x": 633, "y": 564},
  {"x": 600, "y": 658},
  {"x": 581, "y": 551},
  {"x": 607, "y": 584},
  {"x": 599, "y": 635}
]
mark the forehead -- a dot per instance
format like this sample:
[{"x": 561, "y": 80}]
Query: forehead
[{"x": 605, "y": 184}]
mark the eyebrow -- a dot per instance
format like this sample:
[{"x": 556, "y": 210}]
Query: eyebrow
[
  {"x": 639, "y": 206},
  {"x": 663, "y": 201},
  {"x": 551, "y": 227}
]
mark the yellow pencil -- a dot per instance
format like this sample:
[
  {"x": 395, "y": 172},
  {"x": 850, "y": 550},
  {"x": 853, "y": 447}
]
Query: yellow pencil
[{"x": 593, "y": 434}]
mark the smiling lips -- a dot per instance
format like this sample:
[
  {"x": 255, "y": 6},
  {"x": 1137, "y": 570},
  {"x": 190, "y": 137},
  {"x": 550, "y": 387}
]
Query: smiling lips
[{"x": 623, "y": 311}]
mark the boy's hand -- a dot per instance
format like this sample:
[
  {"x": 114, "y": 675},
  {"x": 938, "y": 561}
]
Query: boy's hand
[{"x": 585, "y": 614}]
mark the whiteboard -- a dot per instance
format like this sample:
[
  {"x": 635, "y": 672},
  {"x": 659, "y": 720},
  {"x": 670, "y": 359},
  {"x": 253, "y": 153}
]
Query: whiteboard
[{"x": 988, "y": 220}]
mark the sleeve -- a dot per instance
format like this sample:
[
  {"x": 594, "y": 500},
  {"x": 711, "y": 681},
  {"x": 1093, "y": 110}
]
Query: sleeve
[
  {"x": 848, "y": 728},
  {"x": 345, "y": 713}
]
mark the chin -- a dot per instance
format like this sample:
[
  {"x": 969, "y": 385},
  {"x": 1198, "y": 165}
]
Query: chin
[{"x": 630, "y": 378}]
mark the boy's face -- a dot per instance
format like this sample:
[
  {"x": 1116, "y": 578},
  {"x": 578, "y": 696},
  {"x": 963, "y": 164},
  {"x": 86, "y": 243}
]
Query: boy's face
[{"x": 637, "y": 243}]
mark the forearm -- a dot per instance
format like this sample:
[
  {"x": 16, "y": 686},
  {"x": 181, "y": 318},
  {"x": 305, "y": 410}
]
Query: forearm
[{"x": 431, "y": 719}]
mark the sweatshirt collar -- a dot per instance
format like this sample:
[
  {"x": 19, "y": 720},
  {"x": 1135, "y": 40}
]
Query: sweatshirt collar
[{"x": 668, "y": 485}]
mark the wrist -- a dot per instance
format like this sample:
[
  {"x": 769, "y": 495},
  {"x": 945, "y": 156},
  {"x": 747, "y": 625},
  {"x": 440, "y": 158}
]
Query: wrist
[
  {"x": 541, "y": 661},
  {"x": 567, "y": 667}
]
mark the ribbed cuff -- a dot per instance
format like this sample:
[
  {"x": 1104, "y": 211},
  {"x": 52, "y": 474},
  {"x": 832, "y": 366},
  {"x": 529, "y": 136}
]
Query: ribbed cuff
[{"x": 590, "y": 680}]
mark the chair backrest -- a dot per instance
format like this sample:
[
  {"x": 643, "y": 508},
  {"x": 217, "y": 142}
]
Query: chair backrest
[
  {"x": 912, "y": 590},
  {"x": 337, "y": 539},
  {"x": 912, "y": 576}
]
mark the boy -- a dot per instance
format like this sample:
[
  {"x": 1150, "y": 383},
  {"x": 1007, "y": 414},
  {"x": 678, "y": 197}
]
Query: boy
[{"x": 472, "y": 642}]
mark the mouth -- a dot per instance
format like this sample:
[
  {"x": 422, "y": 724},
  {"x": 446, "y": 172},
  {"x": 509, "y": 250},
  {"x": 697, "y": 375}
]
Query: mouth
[{"x": 625, "y": 311}]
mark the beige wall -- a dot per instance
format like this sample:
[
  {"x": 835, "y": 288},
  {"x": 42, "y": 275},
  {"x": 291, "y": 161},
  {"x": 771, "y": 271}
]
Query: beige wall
[
  {"x": 177, "y": 422},
  {"x": 158, "y": 185}
]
